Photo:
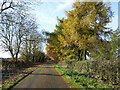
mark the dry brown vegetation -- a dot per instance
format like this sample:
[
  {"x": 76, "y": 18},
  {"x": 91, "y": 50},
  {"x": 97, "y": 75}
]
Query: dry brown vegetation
[{"x": 11, "y": 70}]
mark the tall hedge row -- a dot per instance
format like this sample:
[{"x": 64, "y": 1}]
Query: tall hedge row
[{"x": 103, "y": 71}]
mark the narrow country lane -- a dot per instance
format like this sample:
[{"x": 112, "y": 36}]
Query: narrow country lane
[{"x": 44, "y": 77}]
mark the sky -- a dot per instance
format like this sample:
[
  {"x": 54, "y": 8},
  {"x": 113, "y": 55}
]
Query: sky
[{"x": 46, "y": 12}]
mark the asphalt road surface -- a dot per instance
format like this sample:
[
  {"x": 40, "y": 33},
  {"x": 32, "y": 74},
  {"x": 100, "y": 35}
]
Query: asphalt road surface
[{"x": 44, "y": 77}]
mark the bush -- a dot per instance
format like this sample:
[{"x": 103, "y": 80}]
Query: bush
[
  {"x": 103, "y": 71},
  {"x": 78, "y": 80}
]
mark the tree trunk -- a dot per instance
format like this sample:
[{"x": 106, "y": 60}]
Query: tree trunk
[
  {"x": 85, "y": 52},
  {"x": 16, "y": 58},
  {"x": 39, "y": 59},
  {"x": 33, "y": 59},
  {"x": 13, "y": 58},
  {"x": 80, "y": 55},
  {"x": 79, "y": 51}
]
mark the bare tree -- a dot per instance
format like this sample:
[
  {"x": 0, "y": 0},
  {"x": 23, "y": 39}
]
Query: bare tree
[
  {"x": 14, "y": 25},
  {"x": 32, "y": 44},
  {"x": 7, "y": 33},
  {"x": 29, "y": 40}
]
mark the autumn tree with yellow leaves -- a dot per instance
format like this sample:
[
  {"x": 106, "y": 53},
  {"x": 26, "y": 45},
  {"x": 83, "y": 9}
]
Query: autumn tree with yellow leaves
[
  {"x": 84, "y": 24},
  {"x": 85, "y": 27}
]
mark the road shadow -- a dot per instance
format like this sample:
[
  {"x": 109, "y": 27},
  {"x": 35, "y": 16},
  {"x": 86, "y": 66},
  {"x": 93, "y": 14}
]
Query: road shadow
[
  {"x": 46, "y": 74},
  {"x": 46, "y": 67}
]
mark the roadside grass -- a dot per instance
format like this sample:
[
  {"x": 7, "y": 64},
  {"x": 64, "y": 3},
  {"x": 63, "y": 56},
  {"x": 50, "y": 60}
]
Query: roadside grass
[
  {"x": 77, "y": 80},
  {"x": 12, "y": 83},
  {"x": 0, "y": 86}
]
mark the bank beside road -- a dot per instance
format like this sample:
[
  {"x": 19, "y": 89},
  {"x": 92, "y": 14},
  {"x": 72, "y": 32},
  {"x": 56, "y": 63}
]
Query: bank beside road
[
  {"x": 77, "y": 80},
  {"x": 15, "y": 79}
]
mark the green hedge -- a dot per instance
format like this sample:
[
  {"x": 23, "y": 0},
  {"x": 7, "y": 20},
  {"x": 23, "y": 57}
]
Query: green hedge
[
  {"x": 103, "y": 71},
  {"x": 77, "y": 80}
]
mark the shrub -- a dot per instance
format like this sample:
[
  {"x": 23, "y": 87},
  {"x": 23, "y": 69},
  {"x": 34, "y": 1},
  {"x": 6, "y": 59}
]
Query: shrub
[{"x": 103, "y": 71}]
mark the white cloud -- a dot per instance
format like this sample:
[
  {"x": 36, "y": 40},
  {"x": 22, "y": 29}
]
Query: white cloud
[
  {"x": 54, "y": 0},
  {"x": 114, "y": 23},
  {"x": 45, "y": 18},
  {"x": 4, "y": 55},
  {"x": 65, "y": 4}
]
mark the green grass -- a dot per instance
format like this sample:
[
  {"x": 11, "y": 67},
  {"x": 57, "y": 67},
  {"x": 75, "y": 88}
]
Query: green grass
[
  {"x": 12, "y": 83},
  {"x": 77, "y": 80},
  {"x": 0, "y": 86},
  {"x": 8, "y": 85}
]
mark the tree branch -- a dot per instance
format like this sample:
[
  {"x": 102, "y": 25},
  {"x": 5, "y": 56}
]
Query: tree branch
[{"x": 10, "y": 6}]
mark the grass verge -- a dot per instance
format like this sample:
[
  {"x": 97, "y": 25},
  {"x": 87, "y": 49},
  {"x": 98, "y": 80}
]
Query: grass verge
[
  {"x": 77, "y": 80},
  {"x": 13, "y": 83}
]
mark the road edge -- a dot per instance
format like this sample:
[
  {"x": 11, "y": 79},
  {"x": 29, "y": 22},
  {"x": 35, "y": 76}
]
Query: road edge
[
  {"x": 19, "y": 79},
  {"x": 67, "y": 83}
]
